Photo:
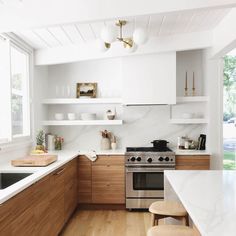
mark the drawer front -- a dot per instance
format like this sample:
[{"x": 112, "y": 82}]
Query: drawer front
[
  {"x": 192, "y": 167},
  {"x": 115, "y": 174},
  {"x": 192, "y": 160},
  {"x": 71, "y": 171},
  {"x": 22, "y": 201},
  {"x": 41, "y": 190},
  {"x": 5, "y": 214},
  {"x": 108, "y": 184},
  {"x": 110, "y": 160},
  {"x": 70, "y": 199},
  {"x": 57, "y": 182},
  {"x": 57, "y": 214},
  {"x": 107, "y": 192},
  {"x": 24, "y": 224},
  {"x": 84, "y": 180}
]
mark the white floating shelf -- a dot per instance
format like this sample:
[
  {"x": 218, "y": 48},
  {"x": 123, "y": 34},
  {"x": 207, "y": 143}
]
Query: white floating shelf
[
  {"x": 82, "y": 101},
  {"x": 81, "y": 122},
  {"x": 189, "y": 121},
  {"x": 192, "y": 99}
]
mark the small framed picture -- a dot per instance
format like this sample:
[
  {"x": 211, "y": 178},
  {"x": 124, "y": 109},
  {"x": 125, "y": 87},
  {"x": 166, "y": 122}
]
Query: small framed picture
[{"x": 86, "y": 90}]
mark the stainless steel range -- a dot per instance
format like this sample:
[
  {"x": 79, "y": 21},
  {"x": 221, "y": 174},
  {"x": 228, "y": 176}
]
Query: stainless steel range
[{"x": 145, "y": 175}]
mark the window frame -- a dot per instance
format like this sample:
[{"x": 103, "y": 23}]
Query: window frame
[{"x": 18, "y": 141}]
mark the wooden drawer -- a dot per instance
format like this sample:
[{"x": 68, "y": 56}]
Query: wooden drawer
[
  {"x": 192, "y": 162},
  {"x": 41, "y": 189},
  {"x": 57, "y": 214},
  {"x": 108, "y": 184},
  {"x": 57, "y": 182},
  {"x": 110, "y": 160},
  {"x": 71, "y": 171},
  {"x": 22, "y": 201},
  {"x": 84, "y": 180},
  {"x": 24, "y": 224},
  {"x": 70, "y": 199},
  {"x": 5, "y": 214}
]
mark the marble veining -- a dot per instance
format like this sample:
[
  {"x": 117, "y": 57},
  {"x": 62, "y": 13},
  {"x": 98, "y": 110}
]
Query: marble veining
[
  {"x": 209, "y": 197},
  {"x": 141, "y": 126}
]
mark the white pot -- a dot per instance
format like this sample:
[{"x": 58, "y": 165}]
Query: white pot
[
  {"x": 71, "y": 116},
  {"x": 59, "y": 116}
]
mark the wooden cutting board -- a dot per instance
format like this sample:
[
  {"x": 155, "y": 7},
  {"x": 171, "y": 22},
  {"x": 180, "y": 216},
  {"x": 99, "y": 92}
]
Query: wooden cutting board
[{"x": 35, "y": 160}]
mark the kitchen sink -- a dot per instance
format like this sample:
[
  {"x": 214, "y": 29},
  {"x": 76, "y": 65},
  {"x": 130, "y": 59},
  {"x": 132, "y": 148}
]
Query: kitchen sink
[{"x": 7, "y": 179}]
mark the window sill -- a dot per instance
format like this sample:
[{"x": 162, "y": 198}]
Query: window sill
[{"x": 16, "y": 145}]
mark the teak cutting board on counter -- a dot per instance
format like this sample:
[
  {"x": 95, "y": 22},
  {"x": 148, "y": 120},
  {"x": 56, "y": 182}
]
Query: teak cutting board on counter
[{"x": 35, "y": 160}]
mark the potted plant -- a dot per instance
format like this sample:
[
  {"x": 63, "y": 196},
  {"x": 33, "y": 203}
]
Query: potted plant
[{"x": 40, "y": 137}]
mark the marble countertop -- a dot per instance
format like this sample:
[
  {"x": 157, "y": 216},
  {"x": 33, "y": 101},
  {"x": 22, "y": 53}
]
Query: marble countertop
[
  {"x": 191, "y": 152},
  {"x": 209, "y": 197},
  {"x": 64, "y": 156}
]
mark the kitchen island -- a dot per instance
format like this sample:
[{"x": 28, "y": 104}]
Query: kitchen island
[{"x": 208, "y": 196}]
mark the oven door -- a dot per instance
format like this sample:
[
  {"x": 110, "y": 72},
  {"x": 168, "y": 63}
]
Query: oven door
[{"x": 145, "y": 182}]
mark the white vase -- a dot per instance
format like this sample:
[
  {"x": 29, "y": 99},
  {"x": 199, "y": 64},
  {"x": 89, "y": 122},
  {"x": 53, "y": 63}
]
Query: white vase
[
  {"x": 113, "y": 146},
  {"x": 105, "y": 144}
]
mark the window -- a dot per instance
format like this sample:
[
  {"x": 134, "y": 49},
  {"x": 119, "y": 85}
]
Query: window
[
  {"x": 14, "y": 91},
  {"x": 20, "y": 93}
]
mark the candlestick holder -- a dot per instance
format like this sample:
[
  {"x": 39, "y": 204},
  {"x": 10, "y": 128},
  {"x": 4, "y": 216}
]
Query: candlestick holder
[{"x": 193, "y": 88}]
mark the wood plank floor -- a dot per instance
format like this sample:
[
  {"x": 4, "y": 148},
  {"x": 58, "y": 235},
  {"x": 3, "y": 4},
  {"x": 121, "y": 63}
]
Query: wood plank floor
[{"x": 108, "y": 223}]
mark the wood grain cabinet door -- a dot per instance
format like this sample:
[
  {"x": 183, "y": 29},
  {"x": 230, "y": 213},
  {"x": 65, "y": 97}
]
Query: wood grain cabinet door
[
  {"x": 57, "y": 200},
  {"x": 192, "y": 162},
  {"x": 42, "y": 206},
  {"x": 70, "y": 193},
  {"x": 108, "y": 184},
  {"x": 84, "y": 180},
  {"x": 5, "y": 219}
]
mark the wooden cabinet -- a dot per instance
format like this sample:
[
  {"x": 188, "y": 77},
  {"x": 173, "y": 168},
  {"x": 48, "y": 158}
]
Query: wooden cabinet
[
  {"x": 102, "y": 181},
  {"x": 84, "y": 180},
  {"x": 70, "y": 192},
  {"x": 108, "y": 180},
  {"x": 43, "y": 208},
  {"x": 192, "y": 162}
]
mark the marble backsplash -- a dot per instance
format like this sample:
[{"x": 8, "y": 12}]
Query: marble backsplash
[{"x": 142, "y": 124}]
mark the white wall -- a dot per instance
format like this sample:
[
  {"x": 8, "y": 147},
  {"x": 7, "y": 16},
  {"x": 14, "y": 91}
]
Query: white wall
[
  {"x": 190, "y": 61},
  {"x": 213, "y": 73},
  {"x": 40, "y": 88},
  {"x": 141, "y": 124}
]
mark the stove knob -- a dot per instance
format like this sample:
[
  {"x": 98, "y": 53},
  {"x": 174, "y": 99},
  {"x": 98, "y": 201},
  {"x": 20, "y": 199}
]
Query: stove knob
[
  {"x": 161, "y": 159},
  {"x": 132, "y": 158},
  {"x": 138, "y": 158},
  {"x": 149, "y": 160},
  {"x": 167, "y": 159}
]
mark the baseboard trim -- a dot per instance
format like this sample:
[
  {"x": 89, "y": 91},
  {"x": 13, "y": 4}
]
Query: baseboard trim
[{"x": 101, "y": 207}]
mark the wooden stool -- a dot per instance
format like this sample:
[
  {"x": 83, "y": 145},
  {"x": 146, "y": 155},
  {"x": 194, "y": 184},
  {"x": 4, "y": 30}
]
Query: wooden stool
[
  {"x": 163, "y": 209},
  {"x": 171, "y": 230}
]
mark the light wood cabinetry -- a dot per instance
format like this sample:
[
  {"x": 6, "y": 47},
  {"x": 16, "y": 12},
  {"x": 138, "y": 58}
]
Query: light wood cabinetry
[
  {"x": 102, "y": 181},
  {"x": 70, "y": 192},
  {"x": 44, "y": 207},
  {"x": 42, "y": 210},
  {"x": 192, "y": 162},
  {"x": 108, "y": 180},
  {"x": 84, "y": 180}
]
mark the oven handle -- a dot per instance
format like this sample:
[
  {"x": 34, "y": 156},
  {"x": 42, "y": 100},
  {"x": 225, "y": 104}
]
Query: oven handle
[{"x": 132, "y": 170}]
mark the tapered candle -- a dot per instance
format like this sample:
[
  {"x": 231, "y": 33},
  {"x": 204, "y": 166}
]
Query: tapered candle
[
  {"x": 186, "y": 81},
  {"x": 193, "y": 81}
]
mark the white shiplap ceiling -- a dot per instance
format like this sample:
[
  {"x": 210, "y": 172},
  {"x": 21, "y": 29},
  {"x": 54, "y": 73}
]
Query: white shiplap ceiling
[{"x": 156, "y": 25}]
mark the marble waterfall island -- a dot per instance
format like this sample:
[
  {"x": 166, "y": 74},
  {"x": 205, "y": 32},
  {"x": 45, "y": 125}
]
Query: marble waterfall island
[{"x": 208, "y": 196}]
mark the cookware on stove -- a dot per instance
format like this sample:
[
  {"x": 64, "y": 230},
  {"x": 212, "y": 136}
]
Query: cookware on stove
[{"x": 159, "y": 144}]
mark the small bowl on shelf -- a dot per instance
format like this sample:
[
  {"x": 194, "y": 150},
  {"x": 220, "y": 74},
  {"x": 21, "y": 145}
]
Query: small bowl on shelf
[
  {"x": 88, "y": 116},
  {"x": 187, "y": 115},
  {"x": 59, "y": 116}
]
